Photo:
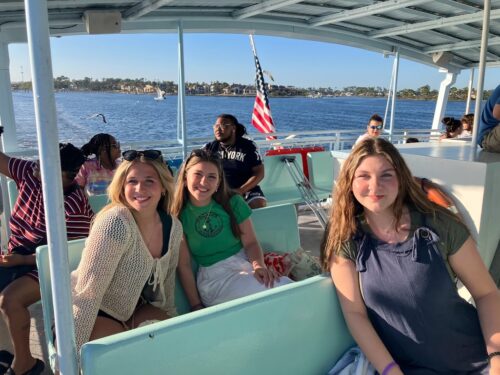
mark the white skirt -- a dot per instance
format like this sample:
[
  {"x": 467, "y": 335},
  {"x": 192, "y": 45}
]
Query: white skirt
[{"x": 229, "y": 279}]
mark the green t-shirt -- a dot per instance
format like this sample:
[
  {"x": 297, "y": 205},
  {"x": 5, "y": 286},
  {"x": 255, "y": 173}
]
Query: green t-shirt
[
  {"x": 452, "y": 235},
  {"x": 208, "y": 230}
]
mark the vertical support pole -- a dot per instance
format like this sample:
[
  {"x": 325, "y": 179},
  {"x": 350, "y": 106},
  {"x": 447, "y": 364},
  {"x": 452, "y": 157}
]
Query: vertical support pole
[
  {"x": 389, "y": 93},
  {"x": 469, "y": 91},
  {"x": 7, "y": 118},
  {"x": 9, "y": 138},
  {"x": 442, "y": 100},
  {"x": 394, "y": 93},
  {"x": 45, "y": 115},
  {"x": 181, "y": 92},
  {"x": 480, "y": 78}
]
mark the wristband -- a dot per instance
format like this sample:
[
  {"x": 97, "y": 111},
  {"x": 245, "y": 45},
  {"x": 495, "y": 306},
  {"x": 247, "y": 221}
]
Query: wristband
[
  {"x": 389, "y": 368},
  {"x": 491, "y": 355},
  {"x": 197, "y": 307}
]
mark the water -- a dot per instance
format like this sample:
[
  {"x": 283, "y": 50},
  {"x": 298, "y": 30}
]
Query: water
[{"x": 139, "y": 117}]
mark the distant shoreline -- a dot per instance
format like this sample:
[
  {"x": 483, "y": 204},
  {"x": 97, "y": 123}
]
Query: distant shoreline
[{"x": 327, "y": 97}]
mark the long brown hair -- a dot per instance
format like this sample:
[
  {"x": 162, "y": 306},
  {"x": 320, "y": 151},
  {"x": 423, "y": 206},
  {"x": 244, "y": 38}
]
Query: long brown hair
[
  {"x": 222, "y": 195},
  {"x": 342, "y": 224}
]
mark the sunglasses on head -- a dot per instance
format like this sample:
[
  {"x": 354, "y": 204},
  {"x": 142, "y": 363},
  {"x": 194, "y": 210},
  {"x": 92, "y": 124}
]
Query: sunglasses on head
[
  {"x": 375, "y": 127},
  {"x": 131, "y": 155}
]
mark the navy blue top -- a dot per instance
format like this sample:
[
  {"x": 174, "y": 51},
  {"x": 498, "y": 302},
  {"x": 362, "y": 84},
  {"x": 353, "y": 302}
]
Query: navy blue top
[
  {"x": 415, "y": 308},
  {"x": 238, "y": 160}
]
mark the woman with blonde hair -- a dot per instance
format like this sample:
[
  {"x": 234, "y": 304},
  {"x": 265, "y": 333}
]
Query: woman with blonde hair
[
  {"x": 219, "y": 234},
  {"x": 394, "y": 258},
  {"x": 126, "y": 276}
]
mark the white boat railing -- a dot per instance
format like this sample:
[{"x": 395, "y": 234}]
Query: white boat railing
[{"x": 330, "y": 140}]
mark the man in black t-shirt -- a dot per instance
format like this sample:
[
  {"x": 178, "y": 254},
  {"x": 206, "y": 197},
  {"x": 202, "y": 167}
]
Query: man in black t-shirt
[{"x": 241, "y": 160}]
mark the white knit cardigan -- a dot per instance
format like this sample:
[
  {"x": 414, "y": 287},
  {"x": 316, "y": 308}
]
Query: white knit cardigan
[{"x": 115, "y": 266}]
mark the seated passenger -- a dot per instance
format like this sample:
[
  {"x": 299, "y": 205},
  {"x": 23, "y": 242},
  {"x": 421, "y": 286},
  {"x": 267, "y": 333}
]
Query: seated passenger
[
  {"x": 96, "y": 173},
  {"x": 373, "y": 129},
  {"x": 220, "y": 236},
  {"x": 489, "y": 131},
  {"x": 394, "y": 258},
  {"x": 467, "y": 125},
  {"x": 453, "y": 128},
  {"x": 19, "y": 286},
  {"x": 412, "y": 140},
  {"x": 126, "y": 276},
  {"x": 241, "y": 160}
]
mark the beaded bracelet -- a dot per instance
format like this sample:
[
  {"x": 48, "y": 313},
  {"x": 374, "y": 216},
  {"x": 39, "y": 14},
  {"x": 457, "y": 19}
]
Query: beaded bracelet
[
  {"x": 389, "y": 368},
  {"x": 491, "y": 355}
]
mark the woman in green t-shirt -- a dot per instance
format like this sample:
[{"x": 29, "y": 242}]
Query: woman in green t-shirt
[{"x": 219, "y": 234}]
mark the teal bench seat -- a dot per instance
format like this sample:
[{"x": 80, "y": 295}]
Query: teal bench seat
[
  {"x": 278, "y": 185},
  {"x": 275, "y": 227},
  {"x": 295, "y": 330},
  {"x": 321, "y": 172}
]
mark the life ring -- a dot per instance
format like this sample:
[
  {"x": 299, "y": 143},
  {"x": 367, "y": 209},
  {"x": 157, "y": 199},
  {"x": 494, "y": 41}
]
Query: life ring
[{"x": 436, "y": 195}]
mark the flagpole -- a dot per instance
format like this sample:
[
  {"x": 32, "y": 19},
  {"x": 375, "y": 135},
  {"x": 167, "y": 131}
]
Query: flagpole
[{"x": 252, "y": 44}]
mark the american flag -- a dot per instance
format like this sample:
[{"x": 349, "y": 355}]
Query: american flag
[{"x": 261, "y": 116}]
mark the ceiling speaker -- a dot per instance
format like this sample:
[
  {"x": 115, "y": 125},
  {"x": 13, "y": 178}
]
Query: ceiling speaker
[
  {"x": 102, "y": 22},
  {"x": 441, "y": 58}
]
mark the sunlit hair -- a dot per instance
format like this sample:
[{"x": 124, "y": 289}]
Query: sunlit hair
[
  {"x": 343, "y": 223},
  {"x": 469, "y": 120},
  {"x": 116, "y": 189},
  {"x": 222, "y": 196}
]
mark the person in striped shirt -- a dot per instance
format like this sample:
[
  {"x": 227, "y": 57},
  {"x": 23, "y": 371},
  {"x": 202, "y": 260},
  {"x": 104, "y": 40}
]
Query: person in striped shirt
[{"x": 18, "y": 273}]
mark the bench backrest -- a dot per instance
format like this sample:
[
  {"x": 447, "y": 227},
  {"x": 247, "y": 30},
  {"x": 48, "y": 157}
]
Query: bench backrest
[
  {"x": 97, "y": 202},
  {"x": 75, "y": 249},
  {"x": 276, "y": 228},
  {"x": 296, "y": 329},
  {"x": 278, "y": 185},
  {"x": 321, "y": 170},
  {"x": 13, "y": 192}
]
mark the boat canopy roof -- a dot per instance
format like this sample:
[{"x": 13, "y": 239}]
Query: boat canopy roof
[{"x": 444, "y": 33}]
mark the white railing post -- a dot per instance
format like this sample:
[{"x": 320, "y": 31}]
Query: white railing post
[
  {"x": 9, "y": 138},
  {"x": 394, "y": 93},
  {"x": 47, "y": 135},
  {"x": 442, "y": 100},
  {"x": 181, "y": 92},
  {"x": 469, "y": 91},
  {"x": 480, "y": 78}
]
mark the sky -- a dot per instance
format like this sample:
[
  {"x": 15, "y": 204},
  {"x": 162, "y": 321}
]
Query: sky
[{"x": 228, "y": 58}]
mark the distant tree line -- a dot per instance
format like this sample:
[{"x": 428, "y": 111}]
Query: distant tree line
[{"x": 141, "y": 85}]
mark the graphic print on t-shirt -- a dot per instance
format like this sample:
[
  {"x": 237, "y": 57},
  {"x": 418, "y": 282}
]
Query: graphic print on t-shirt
[{"x": 208, "y": 224}]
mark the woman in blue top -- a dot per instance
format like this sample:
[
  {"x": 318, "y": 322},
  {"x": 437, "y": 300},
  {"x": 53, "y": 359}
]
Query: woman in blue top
[
  {"x": 220, "y": 236},
  {"x": 394, "y": 257}
]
